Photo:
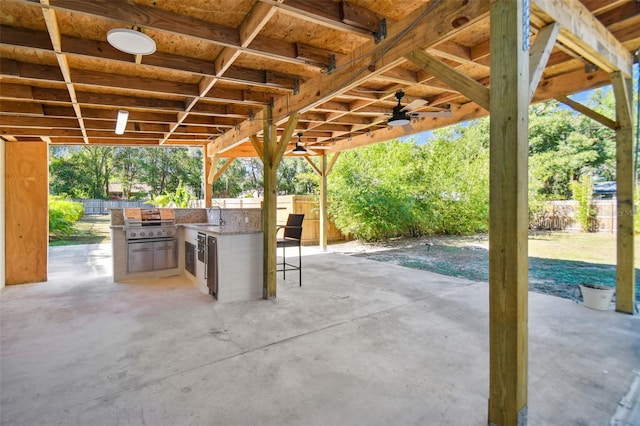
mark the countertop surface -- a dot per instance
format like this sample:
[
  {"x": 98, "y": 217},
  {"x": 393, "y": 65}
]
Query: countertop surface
[
  {"x": 203, "y": 227},
  {"x": 211, "y": 228}
]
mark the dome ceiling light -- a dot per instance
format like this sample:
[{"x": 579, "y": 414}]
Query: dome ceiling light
[{"x": 131, "y": 41}]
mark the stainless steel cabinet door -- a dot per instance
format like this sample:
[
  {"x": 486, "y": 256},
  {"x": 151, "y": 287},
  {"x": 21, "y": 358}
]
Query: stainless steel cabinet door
[
  {"x": 139, "y": 257},
  {"x": 165, "y": 255}
]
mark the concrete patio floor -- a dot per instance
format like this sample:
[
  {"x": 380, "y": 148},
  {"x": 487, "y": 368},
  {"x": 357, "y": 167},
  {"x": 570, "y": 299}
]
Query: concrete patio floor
[{"x": 361, "y": 343}]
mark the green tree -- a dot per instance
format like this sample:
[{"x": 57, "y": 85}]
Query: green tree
[
  {"x": 563, "y": 145},
  {"x": 128, "y": 165}
]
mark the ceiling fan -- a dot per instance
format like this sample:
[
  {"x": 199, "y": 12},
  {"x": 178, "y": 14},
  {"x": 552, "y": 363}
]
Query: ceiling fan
[
  {"x": 300, "y": 149},
  {"x": 402, "y": 115}
]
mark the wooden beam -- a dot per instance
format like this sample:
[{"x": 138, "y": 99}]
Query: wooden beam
[
  {"x": 584, "y": 34},
  {"x": 285, "y": 138},
  {"x": 539, "y": 56},
  {"x": 594, "y": 115},
  {"x": 452, "y": 77},
  {"x": 370, "y": 61},
  {"x": 313, "y": 165},
  {"x": 258, "y": 147},
  {"x": 625, "y": 178},
  {"x": 508, "y": 219},
  {"x": 213, "y": 165},
  {"x": 222, "y": 169},
  {"x": 334, "y": 158}
]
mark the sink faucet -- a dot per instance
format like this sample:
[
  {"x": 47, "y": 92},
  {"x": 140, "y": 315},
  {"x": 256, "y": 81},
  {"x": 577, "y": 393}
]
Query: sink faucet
[{"x": 220, "y": 220}]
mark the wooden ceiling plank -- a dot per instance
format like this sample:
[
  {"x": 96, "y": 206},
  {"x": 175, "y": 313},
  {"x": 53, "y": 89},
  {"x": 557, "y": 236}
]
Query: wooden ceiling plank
[
  {"x": 14, "y": 36},
  {"x": 584, "y": 34},
  {"x": 51, "y": 22},
  {"x": 454, "y": 78},
  {"x": 249, "y": 30},
  {"x": 322, "y": 12},
  {"x": 162, "y": 20},
  {"x": 359, "y": 17},
  {"x": 370, "y": 62},
  {"x": 598, "y": 7},
  {"x": 540, "y": 53},
  {"x": 455, "y": 52}
]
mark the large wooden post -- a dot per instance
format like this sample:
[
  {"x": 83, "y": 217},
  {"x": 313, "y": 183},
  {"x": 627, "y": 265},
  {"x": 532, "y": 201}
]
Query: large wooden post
[
  {"x": 271, "y": 153},
  {"x": 508, "y": 263},
  {"x": 27, "y": 215},
  {"x": 324, "y": 222},
  {"x": 2, "y": 214},
  {"x": 269, "y": 207},
  {"x": 207, "y": 193},
  {"x": 625, "y": 273}
]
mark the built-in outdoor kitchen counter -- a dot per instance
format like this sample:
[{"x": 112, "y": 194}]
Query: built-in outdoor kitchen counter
[{"x": 219, "y": 250}]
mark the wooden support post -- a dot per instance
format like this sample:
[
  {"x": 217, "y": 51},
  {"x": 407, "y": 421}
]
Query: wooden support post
[
  {"x": 269, "y": 206},
  {"x": 508, "y": 263},
  {"x": 27, "y": 218},
  {"x": 324, "y": 222},
  {"x": 207, "y": 193},
  {"x": 625, "y": 273},
  {"x": 272, "y": 152}
]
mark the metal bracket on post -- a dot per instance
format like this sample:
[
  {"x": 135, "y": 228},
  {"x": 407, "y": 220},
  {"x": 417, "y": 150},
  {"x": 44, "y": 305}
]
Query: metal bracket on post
[
  {"x": 296, "y": 85},
  {"x": 332, "y": 64},
  {"x": 381, "y": 34}
]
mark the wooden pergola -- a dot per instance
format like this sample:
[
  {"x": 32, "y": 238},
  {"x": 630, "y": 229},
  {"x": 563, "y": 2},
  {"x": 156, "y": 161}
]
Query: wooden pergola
[{"x": 240, "y": 78}]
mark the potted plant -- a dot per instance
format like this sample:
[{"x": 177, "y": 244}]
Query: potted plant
[{"x": 596, "y": 296}]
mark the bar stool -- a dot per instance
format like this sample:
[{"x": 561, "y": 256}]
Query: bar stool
[{"x": 291, "y": 238}]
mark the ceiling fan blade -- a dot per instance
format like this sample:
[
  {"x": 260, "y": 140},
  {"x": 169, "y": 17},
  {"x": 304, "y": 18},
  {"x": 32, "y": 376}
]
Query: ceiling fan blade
[
  {"x": 414, "y": 104},
  {"x": 311, "y": 152},
  {"x": 321, "y": 147},
  {"x": 407, "y": 128}
]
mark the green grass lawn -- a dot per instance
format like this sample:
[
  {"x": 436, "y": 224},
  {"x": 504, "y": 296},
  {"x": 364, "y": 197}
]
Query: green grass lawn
[{"x": 88, "y": 230}]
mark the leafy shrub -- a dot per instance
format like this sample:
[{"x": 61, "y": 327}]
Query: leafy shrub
[
  {"x": 180, "y": 198},
  {"x": 399, "y": 188},
  {"x": 63, "y": 213},
  {"x": 581, "y": 191}
]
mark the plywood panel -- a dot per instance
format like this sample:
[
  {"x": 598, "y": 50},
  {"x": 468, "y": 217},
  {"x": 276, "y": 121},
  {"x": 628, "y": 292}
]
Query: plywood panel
[{"x": 27, "y": 214}]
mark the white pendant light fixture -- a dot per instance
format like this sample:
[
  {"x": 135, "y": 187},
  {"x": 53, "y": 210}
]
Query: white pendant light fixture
[
  {"x": 121, "y": 122},
  {"x": 131, "y": 41}
]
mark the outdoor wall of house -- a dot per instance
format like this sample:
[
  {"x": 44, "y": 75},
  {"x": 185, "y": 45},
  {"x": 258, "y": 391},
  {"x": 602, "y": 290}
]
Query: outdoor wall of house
[
  {"x": 26, "y": 213},
  {"x": 2, "y": 216}
]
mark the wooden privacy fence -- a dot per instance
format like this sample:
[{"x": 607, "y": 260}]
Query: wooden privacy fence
[
  {"x": 97, "y": 206},
  {"x": 561, "y": 215},
  {"x": 309, "y": 206},
  {"x": 287, "y": 204}
]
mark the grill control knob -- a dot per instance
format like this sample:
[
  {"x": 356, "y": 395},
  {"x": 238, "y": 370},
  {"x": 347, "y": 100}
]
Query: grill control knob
[
  {"x": 142, "y": 234},
  {"x": 133, "y": 234}
]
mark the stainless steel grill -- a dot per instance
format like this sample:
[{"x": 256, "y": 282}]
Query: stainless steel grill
[
  {"x": 147, "y": 224},
  {"x": 151, "y": 239}
]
